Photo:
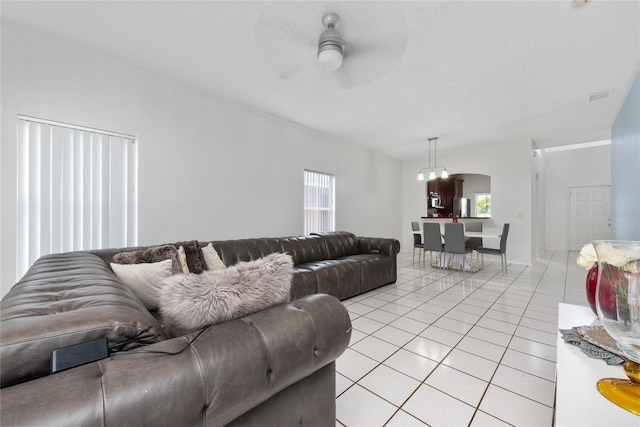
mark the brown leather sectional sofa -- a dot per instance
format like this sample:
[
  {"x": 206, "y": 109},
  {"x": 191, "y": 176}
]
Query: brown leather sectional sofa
[{"x": 273, "y": 367}]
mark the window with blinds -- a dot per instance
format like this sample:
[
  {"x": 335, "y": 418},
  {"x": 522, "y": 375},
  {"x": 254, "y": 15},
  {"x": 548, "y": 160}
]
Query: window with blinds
[
  {"x": 77, "y": 189},
  {"x": 319, "y": 202}
]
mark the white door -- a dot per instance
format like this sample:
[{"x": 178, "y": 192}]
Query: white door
[{"x": 590, "y": 217}]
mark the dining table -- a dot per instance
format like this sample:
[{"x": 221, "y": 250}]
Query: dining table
[{"x": 445, "y": 260}]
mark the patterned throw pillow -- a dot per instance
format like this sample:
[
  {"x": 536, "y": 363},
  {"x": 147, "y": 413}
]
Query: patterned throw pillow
[{"x": 152, "y": 254}]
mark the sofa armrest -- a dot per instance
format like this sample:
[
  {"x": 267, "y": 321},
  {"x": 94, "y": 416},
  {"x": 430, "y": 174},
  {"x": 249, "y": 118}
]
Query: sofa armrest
[
  {"x": 375, "y": 245},
  {"x": 229, "y": 369}
]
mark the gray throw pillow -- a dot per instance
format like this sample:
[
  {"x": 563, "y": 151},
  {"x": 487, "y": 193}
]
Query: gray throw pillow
[{"x": 190, "y": 301}]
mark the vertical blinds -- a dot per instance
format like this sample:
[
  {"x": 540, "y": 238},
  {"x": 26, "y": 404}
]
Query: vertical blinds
[
  {"x": 76, "y": 190},
  {"x": 319, "y": 197}
]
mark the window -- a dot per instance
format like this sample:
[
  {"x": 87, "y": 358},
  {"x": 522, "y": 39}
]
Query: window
[
  {"x": 319, "y": 202},
  {"x": 483, "y": 205},
  {"x": 76, "y": 190}
]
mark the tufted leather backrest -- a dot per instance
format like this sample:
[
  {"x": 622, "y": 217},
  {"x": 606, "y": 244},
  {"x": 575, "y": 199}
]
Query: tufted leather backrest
[
  {"x": 340, "y": 243},
  {"x": 302, "y": 249},
  {"x": 66, "y": 299}
]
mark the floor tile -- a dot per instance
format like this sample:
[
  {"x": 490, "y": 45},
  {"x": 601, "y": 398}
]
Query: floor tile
[
  {"x": 356, "y": 336},
  {"x": 381, "y": 316},
  {"x": 389, "y": 384},
  {"x": 533, "y": 348},
  {"x": 375, "y": 348},
  {"x": 409, "y": 325},
  {"x": 402, "y": 419},
  {"x": 436, "y": 408},
  {"x": 359, "y": 407},
  {"x": 519, "y": 411},
  {"x": 411, "y": 364},
  {"x": 537, "y": 335},
  {"x": 481, "y": 419},
  {"x": 354, "y": 365},
  {"x": 531, "y": 364},
  {"x": 421, "y": 316},
  {"x": 342, "y": 383},
  {"x": 481, "y": 348},
  {"x": 429, "y": 348},
  {"x": 497, "y": 325},
  {"x": 489, "y": 335},
  {"x": 476, "y": 366},
  {"x": 455, "y": 383},
  {"x": 371, "y": 304},
  {"x": 366, "y": 325},
  {"x": 532, "y": 387},
  {"x": 453, "y": 325},
  {"x": 393, "y": 335},
  {"x": 442, "y": 336}
]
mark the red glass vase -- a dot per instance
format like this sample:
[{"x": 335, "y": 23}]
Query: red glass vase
[
  {"x": 592, "y": 283},
  {"x": 607, "y": 293}
]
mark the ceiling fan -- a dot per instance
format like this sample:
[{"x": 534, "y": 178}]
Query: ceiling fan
[
  {"x": 355, "y": 45},
  {"x": 330, "y": 48}
]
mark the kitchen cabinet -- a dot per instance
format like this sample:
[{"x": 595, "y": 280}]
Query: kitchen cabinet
[{"x": 448, "y": 189}]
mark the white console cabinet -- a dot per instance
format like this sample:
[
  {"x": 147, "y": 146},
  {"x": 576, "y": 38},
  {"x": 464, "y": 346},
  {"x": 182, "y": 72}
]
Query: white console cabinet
[{"x": 578, "y": 402}]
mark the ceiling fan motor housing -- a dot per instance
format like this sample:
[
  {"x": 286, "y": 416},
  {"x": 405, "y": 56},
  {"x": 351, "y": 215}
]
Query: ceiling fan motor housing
[{"x": 330, "y": 44}]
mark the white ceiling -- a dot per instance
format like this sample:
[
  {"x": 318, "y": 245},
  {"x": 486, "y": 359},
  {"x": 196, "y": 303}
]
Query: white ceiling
[{"x": 469, "y": 72}]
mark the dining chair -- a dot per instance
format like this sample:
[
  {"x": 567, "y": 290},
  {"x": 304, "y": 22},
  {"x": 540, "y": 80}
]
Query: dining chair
[
  {"x": 502, "y": 251},
  {"x": 432, "y": 242},
  {"x": 474, "y": 243},
  {"x": 417, "y": 244},
  {"x": 417, "y": 240},
  {"x": 454, "y": 243}
]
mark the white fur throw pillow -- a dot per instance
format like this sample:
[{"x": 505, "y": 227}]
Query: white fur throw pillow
[{"x": 190, "y": 301}]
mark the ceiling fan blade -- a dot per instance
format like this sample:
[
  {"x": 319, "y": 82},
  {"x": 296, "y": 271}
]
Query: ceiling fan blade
[
  {"x": 298, "y": 68},
  {"x": 344, "y": 78}
]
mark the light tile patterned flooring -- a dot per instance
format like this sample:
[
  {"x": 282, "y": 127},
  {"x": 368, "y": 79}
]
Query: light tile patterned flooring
[{"x": 446, "y": 348}]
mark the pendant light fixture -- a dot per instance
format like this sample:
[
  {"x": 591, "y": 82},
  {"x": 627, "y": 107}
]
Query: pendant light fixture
[{"x": 432, "y": 168}]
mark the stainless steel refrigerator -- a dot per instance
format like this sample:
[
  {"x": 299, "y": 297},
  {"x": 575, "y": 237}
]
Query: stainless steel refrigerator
[{"x": 461, "y": 207}]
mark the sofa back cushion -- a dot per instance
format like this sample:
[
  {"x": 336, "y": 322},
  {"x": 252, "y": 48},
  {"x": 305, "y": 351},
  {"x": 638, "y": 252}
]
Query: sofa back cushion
[
  {"x": 233, "y": 251},
  {"x": 340, "y": 244},
  {"x": 301, "y": 248},
  {"x": 67, "y": 299}
]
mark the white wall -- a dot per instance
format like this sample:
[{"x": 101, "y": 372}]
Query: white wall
[
  {"x": 584, "y": 167},
  {"x": 538, "y": 193},
  {"x": 509, "y": 166},
  {"x": 208, "y": 168}
]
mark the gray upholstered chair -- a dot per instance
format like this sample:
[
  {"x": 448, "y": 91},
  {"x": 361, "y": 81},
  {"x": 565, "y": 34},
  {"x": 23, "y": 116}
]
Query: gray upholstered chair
[
  {"x": 502, "y": 251},
  {"x": 417, "y": 244},
  {"x": 432, "y": 241},
  {"x": 417, "y": 240},
  {"x": 474, "y": 243},
  {"x": 454, "y": 243}
]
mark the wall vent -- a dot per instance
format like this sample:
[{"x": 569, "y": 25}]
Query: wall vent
[{"x": 599, "y": 96}]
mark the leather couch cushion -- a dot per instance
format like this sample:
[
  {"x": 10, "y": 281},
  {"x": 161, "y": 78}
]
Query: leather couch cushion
[
  {"x": 340, "y": 244},
  {"x": 340, "y": 278},
  {"x": 67, "y": 299}
]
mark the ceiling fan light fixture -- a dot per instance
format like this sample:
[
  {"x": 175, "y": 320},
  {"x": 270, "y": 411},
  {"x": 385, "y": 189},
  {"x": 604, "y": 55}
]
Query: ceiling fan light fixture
[
  {"x": 330, "y": 44},
  {"x": 330, "y": 57}
]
